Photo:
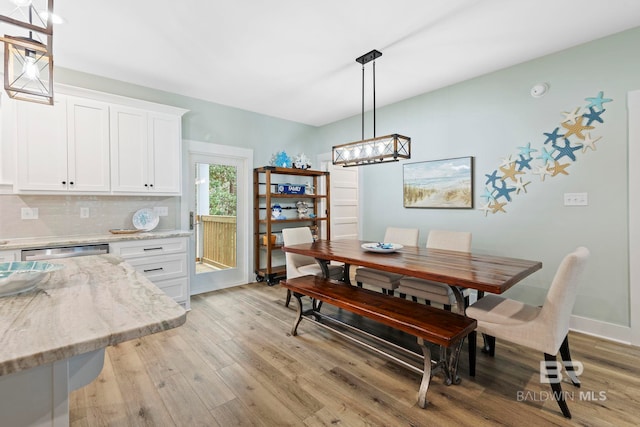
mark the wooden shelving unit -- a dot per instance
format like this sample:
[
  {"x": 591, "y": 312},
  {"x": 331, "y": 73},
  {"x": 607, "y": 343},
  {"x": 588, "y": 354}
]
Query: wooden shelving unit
[{"x": 269, "y": 258}]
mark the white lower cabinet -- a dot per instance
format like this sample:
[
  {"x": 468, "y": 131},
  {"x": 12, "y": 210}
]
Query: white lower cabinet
[
  {"x": 9, "y": 256},
  {"x": 163, "y": 261}
]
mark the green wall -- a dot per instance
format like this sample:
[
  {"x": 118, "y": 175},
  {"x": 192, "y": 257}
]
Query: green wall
[{"x": 487, "y": 118}]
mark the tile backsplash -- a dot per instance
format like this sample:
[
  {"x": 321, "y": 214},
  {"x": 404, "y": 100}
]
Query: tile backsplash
[{"x": 60, "y": 215}]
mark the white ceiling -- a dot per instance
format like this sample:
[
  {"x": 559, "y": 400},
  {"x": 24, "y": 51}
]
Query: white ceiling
[{"x": 295, "y": 59}]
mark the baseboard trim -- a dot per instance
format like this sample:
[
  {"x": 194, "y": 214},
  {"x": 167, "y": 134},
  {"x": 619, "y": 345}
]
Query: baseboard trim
[{"x": 600, "y": 329}]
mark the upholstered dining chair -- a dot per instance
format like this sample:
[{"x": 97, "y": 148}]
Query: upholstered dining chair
[
  {"x": 441, "y": 293},
  {"x": 382, "y": 279},
  {"x": 302, "y": 265},
  {"x": 543, "y": 328}
]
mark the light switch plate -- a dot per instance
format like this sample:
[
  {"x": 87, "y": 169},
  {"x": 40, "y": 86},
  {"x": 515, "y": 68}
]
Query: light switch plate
[
  {"x": 84, "y": 212},
  {"x": 29, "y": 213},
  {"x": 576, "y": 199}
]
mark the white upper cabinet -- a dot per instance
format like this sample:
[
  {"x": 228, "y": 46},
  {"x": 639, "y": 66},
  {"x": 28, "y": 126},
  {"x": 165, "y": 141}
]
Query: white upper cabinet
[
  {"x": 145, "y": 152},
  {"x": 88, "y": 145},
  {"x": 94, "y": 143},
  {"x": 42, "y": 146},
  {"x": 64, "y": 147}
]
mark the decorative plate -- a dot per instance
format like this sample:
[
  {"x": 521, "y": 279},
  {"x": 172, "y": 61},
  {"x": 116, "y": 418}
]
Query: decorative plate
[
  {"x": 145, "y": 219},
  {"x": 380, "y": 247},
  {"x": 22, "y": 276}
]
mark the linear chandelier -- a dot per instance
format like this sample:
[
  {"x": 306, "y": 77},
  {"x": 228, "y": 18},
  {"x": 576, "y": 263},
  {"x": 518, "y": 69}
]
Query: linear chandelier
[
  {"x": 388, "y": 148},
  {"x": 28, "y": 55}
]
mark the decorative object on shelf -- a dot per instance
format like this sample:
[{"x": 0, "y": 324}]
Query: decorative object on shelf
[
  {"x": 28, "y": 54},
  {"x": 264, "y": 239},
  {"x": 301, "y": 161},
  {"x": 276, "y": 212},
  {"x": 308, "y": 188},
  {"x": 444, "y": 183},
  {"x": 291, "y": 189},
  {"x": 381, "y": 149},
  {"x": 303, "y": 209},
  {"x": 314, "y": 232},
  {"x": 503, "y": 183},
  {"x": 145, "y": 219},
  {"x": 281, "y": 160}
]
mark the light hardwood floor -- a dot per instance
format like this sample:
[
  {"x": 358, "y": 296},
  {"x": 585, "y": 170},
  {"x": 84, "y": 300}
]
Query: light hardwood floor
[{"x": 234, "y": 363}]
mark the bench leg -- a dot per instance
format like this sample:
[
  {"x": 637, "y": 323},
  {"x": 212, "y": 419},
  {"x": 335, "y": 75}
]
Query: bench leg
[
  {"x": 296, "y": 321},
  {"x": 449, "y": 361},
  {"x": 426, "y": 375}
]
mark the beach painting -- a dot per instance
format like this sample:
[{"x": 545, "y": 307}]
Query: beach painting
[{"x": 446, "y": 183}]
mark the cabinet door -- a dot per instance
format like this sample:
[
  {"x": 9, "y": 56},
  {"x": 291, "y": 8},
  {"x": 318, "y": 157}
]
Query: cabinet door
[
  {"x": 88, "y": 145},
  {"x": 129, "y": 153},
  {"x": 42, "y": 146},
  {"x": 9, "y": 256},
  {"x": 165, "y": 154}
]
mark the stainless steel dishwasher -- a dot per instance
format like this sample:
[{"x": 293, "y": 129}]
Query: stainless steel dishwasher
[{"x": 58, "y": 252}]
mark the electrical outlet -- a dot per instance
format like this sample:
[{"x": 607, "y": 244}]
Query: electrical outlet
[
  {"x": 161, "y": 210},
  {"x": 29, "y": 213},
  {"x": 84, "y": 212},
  {"x": 576, "y": 199}
]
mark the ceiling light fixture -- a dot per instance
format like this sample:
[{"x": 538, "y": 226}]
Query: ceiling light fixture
[
  {"x": 28, "y": 57},
  {"x": 388, "y": 148}
]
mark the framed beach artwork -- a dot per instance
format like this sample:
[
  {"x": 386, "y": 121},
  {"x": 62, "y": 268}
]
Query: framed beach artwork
[{"x": 439, "y": 184}]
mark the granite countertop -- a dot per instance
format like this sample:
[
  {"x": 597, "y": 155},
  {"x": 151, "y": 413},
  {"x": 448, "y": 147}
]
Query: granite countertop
[
  {"x": 38, "y": 242},
  {"x": 91, "y": 303}
]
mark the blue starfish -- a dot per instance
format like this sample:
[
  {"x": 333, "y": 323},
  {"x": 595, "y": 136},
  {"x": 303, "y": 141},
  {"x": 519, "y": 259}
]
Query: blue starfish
[
  {"x": 567, "y": 150},
  {"x": 594, "y": 116},
  {"x": 524, "y": 163},
  {"x": 488, "y": 194},
  {"x": 526, "y": 150},
  {"x": 546, "y": 156},
  {"x": 598, "y": 100},
  {"x": 492, "y": 178},
  {"x": 553, "y": 136},
  {"x": 504, "y": 191}
]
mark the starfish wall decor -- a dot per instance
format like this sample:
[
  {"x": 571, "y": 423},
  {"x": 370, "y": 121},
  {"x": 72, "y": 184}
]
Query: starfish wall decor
[{"x": 557, "y": 153}]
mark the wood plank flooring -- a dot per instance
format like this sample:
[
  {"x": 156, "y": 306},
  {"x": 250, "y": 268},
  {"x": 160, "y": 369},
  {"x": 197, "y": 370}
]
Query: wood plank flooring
[{"x": 234, "y": 363}]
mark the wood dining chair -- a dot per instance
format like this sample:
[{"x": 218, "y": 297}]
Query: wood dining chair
[
  {"x": 430, "y": 291},
  {"x": 302, "y": 265},
  {"x": 544, "y": 329},
  {"x": 384, "y": 280}
]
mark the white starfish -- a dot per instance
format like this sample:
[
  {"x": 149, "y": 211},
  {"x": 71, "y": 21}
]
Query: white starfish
[
  {"x": 571, "y": 116},
  {"x": 522, "y": 185},
  {"x": 486, "y": 208},
  {"x": 506, "y": 161},
  {"x": 588, "y": 142},
  {"x": 542, "y": 171}
]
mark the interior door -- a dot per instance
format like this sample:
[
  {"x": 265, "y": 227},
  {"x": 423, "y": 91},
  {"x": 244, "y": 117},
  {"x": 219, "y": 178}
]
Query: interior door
[
  {"x": 345, "y": 201},
  {"x": 218, "y": 197}
]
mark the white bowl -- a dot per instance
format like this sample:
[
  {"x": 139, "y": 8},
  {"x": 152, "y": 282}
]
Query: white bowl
[{"x": 22, "y": 276}]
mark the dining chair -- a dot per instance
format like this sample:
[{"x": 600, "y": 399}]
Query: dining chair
[
  {"x": 543, "y": 328},
  {"x": 302, "y": 265},
  {"x": 430, "y": 291},
  {"x": 382, "y": 279}
]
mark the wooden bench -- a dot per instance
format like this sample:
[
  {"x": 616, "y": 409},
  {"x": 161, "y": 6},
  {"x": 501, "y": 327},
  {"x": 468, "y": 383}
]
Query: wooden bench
[{"x": 427, "y": 324}]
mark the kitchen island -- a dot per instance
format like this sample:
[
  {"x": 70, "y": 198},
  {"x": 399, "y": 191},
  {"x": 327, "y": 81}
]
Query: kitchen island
[{"x": 52, "y": 339}]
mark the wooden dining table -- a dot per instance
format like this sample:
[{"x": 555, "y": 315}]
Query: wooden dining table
[
  {"x": 485, "y": 273},
  {"x": 482, "y": 272}
]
